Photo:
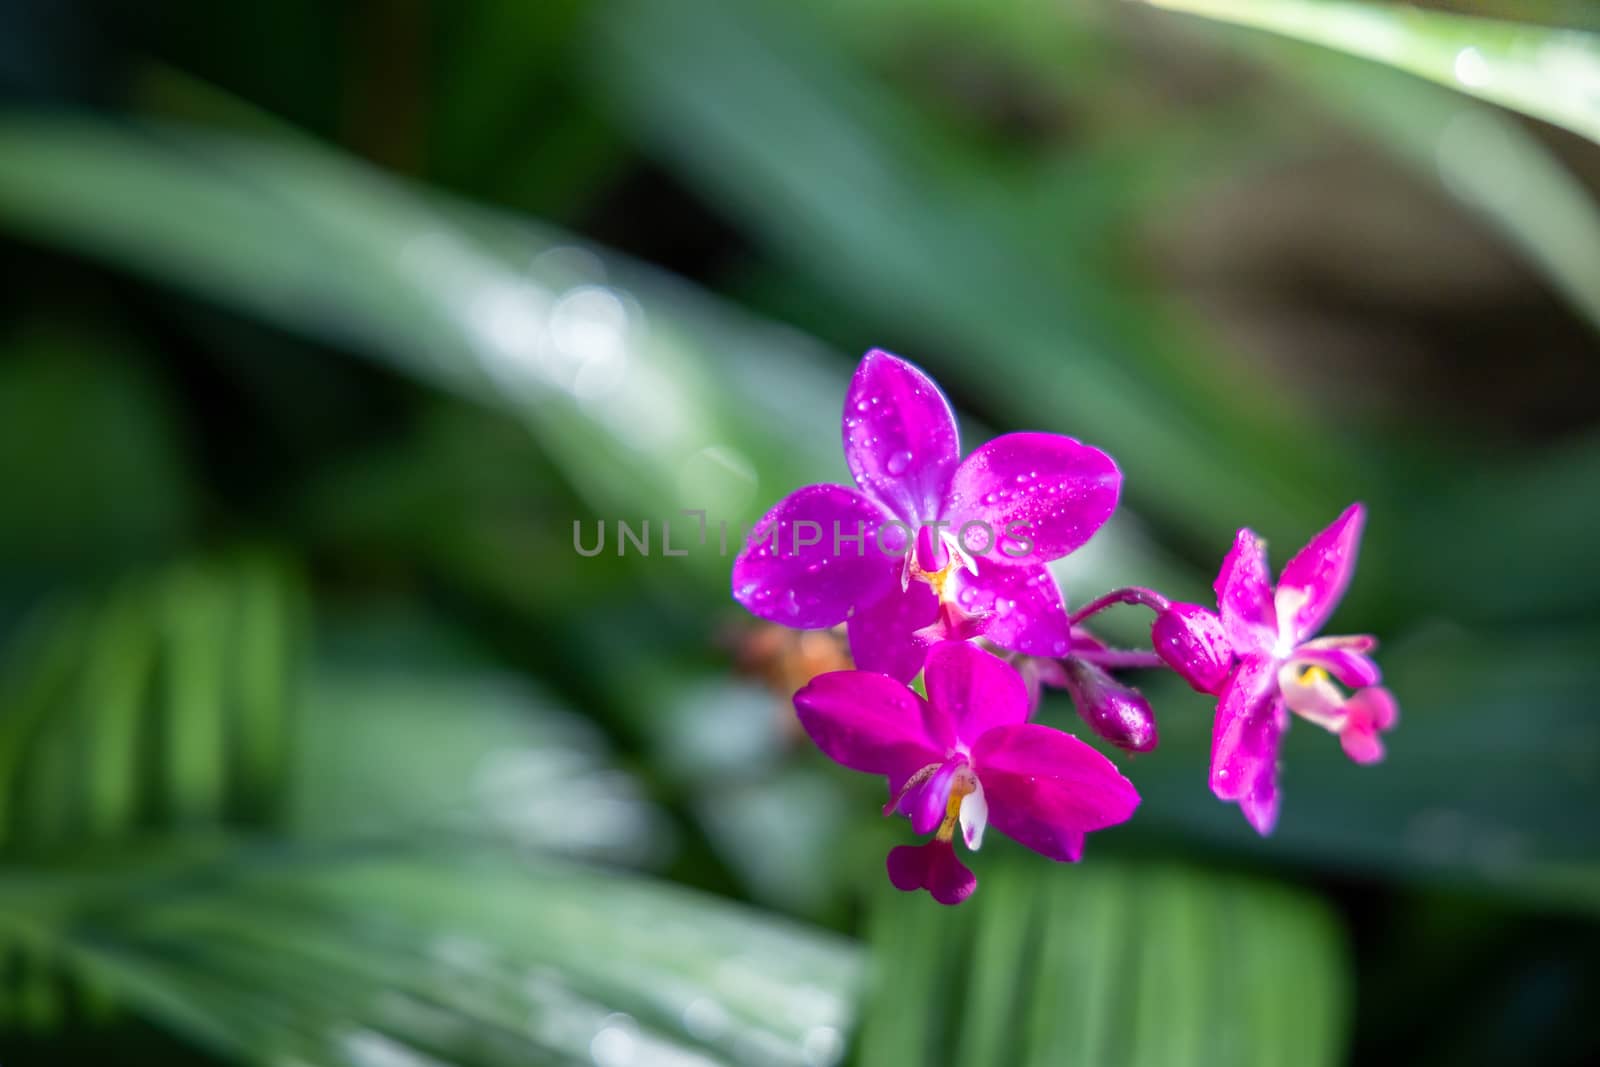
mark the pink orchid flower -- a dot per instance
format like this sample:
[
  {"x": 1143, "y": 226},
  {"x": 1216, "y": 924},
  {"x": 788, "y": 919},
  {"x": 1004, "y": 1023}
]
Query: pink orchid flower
[
  {"x": 966, "y": 756},
  {"x": 1284, "y": 667},
  {"x": 927, "y": 546}
]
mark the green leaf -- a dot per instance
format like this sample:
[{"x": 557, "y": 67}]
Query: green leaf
[
  {"x": 1106, "y": 963},
  {"x": 1489, "y": 163},
  {"x": 164, "y": 702},
  {"x": 1551, "y": 74},
  {"x": 863, "y": 193},
  {"x": 465, "y": 752},
  {"x": 637, "y": 388},
  {"x": 318, "y": 956}
]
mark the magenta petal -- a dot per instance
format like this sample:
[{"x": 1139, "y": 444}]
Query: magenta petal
[
  {"x": 1041, "y": 494},
  {"x": 1244, "y": 596},
  {"x": 870, "y": 722},
  {"x": 883, "y": 636},
  {"x": 932, "y": 866},
  {"x": 1351, "y": 668},
  {"x": 908, "y": 867},
  {"x": 1046, "y": 789},
  {"x": 900, "y": 437},
  {"x": 1352, "y": 642},
  {"x": 1023, "y": 607},
  {"x": 789, "y": 573},
  {"x": 1313, "y": 582},
  {"x": 925, "y": 802},
  {"x": 1191, "y": 641},
  {"x": 974, "y": 689},
  {"x": 1249, "y": 729},
  {"x": 1369, "y": 712}
]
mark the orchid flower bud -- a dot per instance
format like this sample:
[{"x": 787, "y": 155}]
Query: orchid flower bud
[
  {"x": 1191, "y": 641},
  {"x": 1116, "y": 712}
]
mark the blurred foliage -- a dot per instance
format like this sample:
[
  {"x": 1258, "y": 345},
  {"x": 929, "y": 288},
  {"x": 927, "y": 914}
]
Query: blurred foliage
[
  {"x": 1137, "y": 965},
  {"x": 320, "y": 744},
  {"x": 1553, "y": 74}
]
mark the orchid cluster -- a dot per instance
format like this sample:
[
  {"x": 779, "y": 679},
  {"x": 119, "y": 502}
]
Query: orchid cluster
[{"x": 937, "y": 566}]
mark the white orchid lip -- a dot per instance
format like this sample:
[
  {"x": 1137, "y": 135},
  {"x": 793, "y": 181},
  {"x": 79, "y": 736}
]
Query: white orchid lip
[{"x": 974, "y": 816}]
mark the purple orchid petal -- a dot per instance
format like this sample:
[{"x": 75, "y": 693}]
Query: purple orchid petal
[
  {"x": 1351, "y": 668},
  {"x": 1042, "y": 495},
  {"x": 870, "y": 722},
  {"x": 932, "y": 866},
  {"x": 789, "y": 573},
  {"x": 1352, "y": 642},
  {"x": 925, "y": 801},
  {"x": 1249, "y": 729},
  {"x": 1369, "y": 712},
  {"x": 1190, "y": 639},
  {"x": 883, "y": 635},
  {"x": 1024, "y": 607},
  {"x": 900, "y": 437},
  {"x": 1046, "y": 789},
  {"x": 1313, "y": 582},
  {"x": 975, "y": 690},
  {"x": 1244, "y": 595}
]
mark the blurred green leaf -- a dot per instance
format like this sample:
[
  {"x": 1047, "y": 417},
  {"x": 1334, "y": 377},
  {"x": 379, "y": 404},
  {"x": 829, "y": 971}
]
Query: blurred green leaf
[
  {"x": 356, "y": 931},
  {"x": 1106, "y": 963},
  {"x": 165, "y": 702},
  {"x": 637, "y": 388},
  {"x": 465, "y": 753},
  {"x": 856, "y": 187},
  {"x": 1483, "y": 158},
  {"x": 1548, "y": 73},
  {"x": 321, "y": 956}
]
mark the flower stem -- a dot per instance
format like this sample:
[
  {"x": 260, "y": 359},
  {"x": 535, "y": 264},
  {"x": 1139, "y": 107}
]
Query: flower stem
[
  {"x": 1120, "y": 659},
  {"x": 1132, "y": 594}
]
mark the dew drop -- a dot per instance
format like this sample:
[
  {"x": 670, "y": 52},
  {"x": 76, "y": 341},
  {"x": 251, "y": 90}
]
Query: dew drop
[{"x": 899, "y": 462}]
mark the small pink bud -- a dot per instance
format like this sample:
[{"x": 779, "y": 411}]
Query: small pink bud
[
  {"x": 1116, "y": 712},
  {"x": 1191, "y": 641}
]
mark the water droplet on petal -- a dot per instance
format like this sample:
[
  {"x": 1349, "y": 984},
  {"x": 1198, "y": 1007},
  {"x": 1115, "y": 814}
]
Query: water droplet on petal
[{"x": 899, "y": 462}]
